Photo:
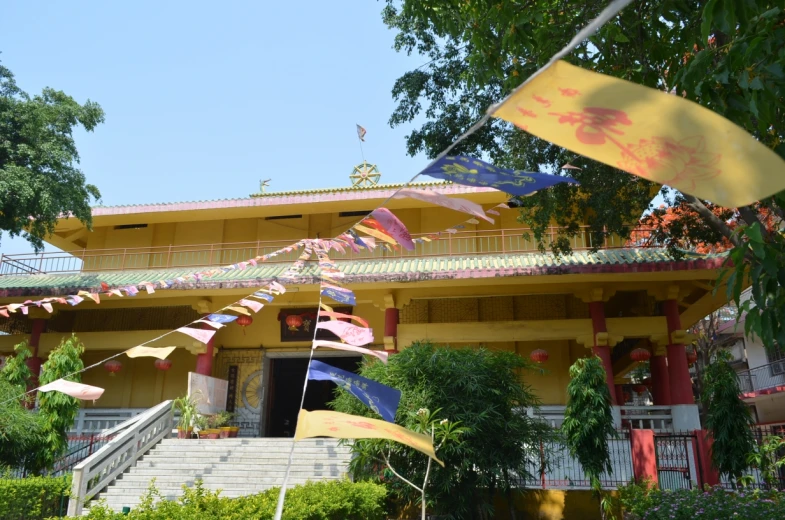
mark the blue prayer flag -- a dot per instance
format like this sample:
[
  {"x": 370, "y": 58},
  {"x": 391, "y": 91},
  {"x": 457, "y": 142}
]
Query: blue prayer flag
[
  {"x": 221, "y": 318},
  {"x": 473, "y": 172},
  {"x": 264, "y": 296},
  {"x": 341, "y": 296},
  {"x": 378, "y": 397}
]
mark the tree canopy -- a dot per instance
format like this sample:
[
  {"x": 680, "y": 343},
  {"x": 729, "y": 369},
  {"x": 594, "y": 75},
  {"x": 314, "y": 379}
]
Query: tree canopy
[
  {"x": 482, "y": 391},
  {"x": 39, "y": 180},
  {"x": 726, "y": 55}
]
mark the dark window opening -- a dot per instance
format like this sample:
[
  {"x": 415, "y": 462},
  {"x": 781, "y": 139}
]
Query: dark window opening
[
  {"x": 354, "y": 213},
  {"x": 131, "y": 226},
  {"x": 283, "y": 217}
]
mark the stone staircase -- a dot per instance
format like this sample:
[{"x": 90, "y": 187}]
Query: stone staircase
[{"x": 235, "y": 466}]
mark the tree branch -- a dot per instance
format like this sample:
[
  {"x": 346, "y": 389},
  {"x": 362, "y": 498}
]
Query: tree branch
[
  {"x": 711, "y": 219},
  {"x": 387, "y": 461},
  {"x": 750, "y": 216}
]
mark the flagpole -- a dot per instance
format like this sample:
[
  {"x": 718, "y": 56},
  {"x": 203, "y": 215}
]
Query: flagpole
[{"x": 360, "y": 138}]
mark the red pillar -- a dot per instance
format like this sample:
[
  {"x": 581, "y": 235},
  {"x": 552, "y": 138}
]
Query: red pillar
[
  {"x": 604, "y": 353},
  {"x": 204, "y": 362},
  {"x": 710, "y": 476},
  {"x": 661, "y": 381},
  {"x": 678, "y": 371},
  {"x": 620, "y": 394},
  {"x": 391, "y": 317},
  {"x": 644, "y": 458}
]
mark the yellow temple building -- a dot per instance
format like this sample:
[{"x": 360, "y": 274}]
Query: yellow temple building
[{"x": 486, "y": 284}]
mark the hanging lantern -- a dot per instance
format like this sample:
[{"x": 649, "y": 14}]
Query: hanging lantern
[
  {"x": 244, "y": 321},
  {"x": 113, "y": 366},
  {"x": 692, "y": 357},
  {"x": 539, "y": 355},
  {"x": 163, "y": 364},
  {"x": 640, "y": 354},
  {"x": 294, "y": 321}
]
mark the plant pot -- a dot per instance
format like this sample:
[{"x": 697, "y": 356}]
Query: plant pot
[
  {"x": 213, "y": 433},
  {"x": 184, "y": 434},
  {"x": 233, "y": 431},
  {"x": 203, "y": 434},
  {"x": 225, "y": 432}
]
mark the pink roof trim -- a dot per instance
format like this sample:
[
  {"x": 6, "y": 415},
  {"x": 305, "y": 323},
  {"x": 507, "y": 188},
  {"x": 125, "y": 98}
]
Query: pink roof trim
[{"x": 282, "y": 200}]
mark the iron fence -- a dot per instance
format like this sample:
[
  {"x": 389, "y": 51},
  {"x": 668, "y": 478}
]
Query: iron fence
[
  {"x": 677, "y": 461},
  {"x": 766, "y": 377},
  {"x": 554, "y": 468},
  {"x": 79, "y": 448},
  {"x": 754, "y": 477}
]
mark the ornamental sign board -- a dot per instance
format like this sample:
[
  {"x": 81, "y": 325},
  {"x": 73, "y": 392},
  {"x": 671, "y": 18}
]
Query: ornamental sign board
[{"x": 209, "y": 392}]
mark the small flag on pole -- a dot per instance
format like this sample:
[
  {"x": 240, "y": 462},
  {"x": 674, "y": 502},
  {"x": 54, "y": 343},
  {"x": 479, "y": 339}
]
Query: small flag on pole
[{"x": 361, "y": 133}]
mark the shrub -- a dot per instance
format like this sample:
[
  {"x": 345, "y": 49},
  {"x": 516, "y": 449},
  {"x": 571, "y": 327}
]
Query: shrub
[
  {"x": 342, "y": 500},
  {"x": 641, "y": 503},
  {"x": 34, "y": 498}
]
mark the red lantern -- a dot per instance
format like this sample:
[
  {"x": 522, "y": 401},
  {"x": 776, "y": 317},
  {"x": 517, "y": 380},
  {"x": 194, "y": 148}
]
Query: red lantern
[
  {"x": 113, "y": 366},
  {"x": 294, "y": 321},
  {"x": 539, "y": 355},
  {"x": 640, "y": 354},
  {"x": 692, "y": 357},
  {"x": 244, "y": 321},
  {"x": 639, "y": 388},
  {"x": 163, "y": 364}
]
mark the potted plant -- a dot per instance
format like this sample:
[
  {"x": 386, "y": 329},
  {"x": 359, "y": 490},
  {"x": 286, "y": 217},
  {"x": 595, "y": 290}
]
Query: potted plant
[
  {"x": 221, "y": 421},
  {"x": 186, "y": 405},
  {"x": 201, "y": 425}
]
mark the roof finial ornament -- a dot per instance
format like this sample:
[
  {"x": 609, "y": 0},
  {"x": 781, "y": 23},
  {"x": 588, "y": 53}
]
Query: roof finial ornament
[
  {"x": 365, "y": 175},
  {"x": 263, "y": 185}
]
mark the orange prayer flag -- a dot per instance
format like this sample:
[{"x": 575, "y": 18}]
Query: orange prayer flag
[
  {"x": 324, "y": 423},
  {"x": 661, "y": 137}
]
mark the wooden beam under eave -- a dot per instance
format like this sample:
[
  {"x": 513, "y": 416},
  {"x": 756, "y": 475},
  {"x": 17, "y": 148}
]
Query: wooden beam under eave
[{"x": 526, "y": 330}]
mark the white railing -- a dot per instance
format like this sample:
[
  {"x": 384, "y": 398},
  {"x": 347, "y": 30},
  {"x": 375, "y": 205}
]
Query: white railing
[
  {"x": 133, "y": 439},
  {"x": 94, "y": 420},
  {"x": 657, "y": 418}
]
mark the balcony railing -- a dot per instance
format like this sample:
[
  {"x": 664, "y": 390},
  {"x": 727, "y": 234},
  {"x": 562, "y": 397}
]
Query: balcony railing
[
  {"x": 203, "y": 255},
  {"x": 766, "y": 378}
]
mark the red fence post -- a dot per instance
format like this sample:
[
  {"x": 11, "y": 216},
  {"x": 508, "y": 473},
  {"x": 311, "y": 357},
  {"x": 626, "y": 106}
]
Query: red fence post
[
  {"x": 708, "y": 474},
  {"x": 644, "y": 457}
]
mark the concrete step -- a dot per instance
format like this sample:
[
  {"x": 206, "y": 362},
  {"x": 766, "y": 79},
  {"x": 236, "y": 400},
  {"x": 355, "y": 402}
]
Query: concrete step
[{"x": 237, "y": 467}]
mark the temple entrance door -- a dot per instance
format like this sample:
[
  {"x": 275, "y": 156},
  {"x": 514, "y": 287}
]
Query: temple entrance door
[{"x": 287, "y": 375}]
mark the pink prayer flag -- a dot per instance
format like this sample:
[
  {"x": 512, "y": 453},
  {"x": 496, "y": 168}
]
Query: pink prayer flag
[
  {"x": 78, "y": 390},
  {"x": 48, "y": 307},
  {"x": 341, "y": 316},
  {"x": 352, "y": 334},
  {"x": 117, "y": 292},
  {"x": 503, "y": 205},
  {"x": 213, "y": 324},
  {"x": 351, "y": 348},
  {"x": 202, "y": 335},
  {"x": 493, "y": 212},
  {"x": 394, "y": 227},
  {"x": 254, "y": 306},
  {"x": 463, "y": 205},
  {"x": 24, "y": 309},
  {"x": 149, "y": 287},
  {"x": 277, "y": 287}
]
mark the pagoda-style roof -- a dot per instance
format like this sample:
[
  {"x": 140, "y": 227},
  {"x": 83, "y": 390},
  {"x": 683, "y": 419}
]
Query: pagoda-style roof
[{"x": 387, "y": 270}]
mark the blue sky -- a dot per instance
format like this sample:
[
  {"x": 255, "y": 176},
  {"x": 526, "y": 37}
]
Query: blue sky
[{"x": 204, "y": 99}]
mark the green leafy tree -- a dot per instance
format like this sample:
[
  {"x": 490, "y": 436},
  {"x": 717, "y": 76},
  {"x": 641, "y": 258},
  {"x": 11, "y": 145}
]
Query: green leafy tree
[
  {"x": 588, "y": 422},
  {"x": 15, "y": 371},
  {"x": 727, "y": 418},
  {"x": 725, "y": 55},
  {"x": 482, "y": 391},
  {"x": 58, "y": 410},
  {"x": 39, "y": 180},
  {"x": 21, "y": 430}
]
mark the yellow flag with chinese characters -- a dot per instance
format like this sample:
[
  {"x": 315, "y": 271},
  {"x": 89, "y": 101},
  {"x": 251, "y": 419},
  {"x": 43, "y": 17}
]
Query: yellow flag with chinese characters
[
  {"x": 323, "y": 423},
  {"x": 646, "y": 132}
]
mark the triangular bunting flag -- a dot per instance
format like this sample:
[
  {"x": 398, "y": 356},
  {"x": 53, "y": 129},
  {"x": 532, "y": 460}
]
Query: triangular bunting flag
[
  {"x": 156, "y": 352},
  {"x": 382, "y": 355},
  {"x": 202, "y": 335}
]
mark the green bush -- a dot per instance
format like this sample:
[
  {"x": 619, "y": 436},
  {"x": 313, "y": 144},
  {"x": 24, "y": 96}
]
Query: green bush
[
  {"x": 34, "y": 498},
  {"x": 341, "y": 500},
  {"x": 642, "y": 503}
]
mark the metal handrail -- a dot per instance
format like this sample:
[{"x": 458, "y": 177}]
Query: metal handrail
[
  {"x": 459, "y": 243},
  {"x": 133, "y": 439},
  {"x": 764, "y": 377}
]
